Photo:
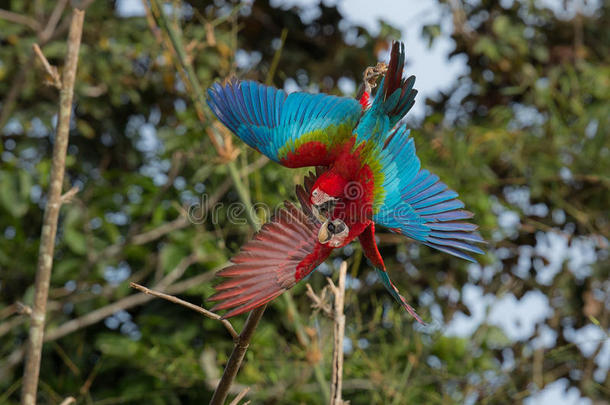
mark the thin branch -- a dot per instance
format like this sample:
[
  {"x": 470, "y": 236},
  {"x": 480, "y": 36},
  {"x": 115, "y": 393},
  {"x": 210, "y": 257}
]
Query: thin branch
[
  {"x": 7, "y": 326},
  {"x": 276, "y": 58},
  {"x": 196, "y": 308},
  {"x": 256, "y": 165},
  {"x": 20, "y": 19},
  {"x": 23, "y": 309},
  {"x": 240, "y": 396},
  {"x": 51, "y": 214},
  {"x": 46, "y": 34},
  {"x": 176, "y": 273},
  {"x": 68, "y": 401},
  {"x": 319, "y": 303},
  {"x": 8, "y": 311},
  {"x": 145, "y": 237},
  {"x": 125, "y": 303},
  {"x": 50, "y": 69},
  {"x": 18, "y": 308},
  {"x": 339, "y": 329},
  {"x": 69, "y": 195}
]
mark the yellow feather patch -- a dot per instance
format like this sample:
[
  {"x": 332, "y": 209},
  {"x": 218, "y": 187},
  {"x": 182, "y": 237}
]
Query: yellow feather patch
[
  {"x": 331, "y": 136},
  {"x": 371, "y": 155}
]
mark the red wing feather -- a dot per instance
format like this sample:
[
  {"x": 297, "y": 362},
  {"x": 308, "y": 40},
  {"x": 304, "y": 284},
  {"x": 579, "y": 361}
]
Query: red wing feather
[{"x": 280, "y": 254}]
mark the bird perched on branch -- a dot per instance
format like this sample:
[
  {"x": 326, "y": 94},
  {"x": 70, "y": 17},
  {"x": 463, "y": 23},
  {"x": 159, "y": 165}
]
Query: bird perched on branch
[{"x": 367, "y": 174}]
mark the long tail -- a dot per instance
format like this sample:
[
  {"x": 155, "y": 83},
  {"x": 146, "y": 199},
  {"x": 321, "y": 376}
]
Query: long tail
[{"x": 385, "y": 279}]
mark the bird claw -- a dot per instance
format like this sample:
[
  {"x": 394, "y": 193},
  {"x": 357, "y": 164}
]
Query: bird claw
[{"x": 372, "y": 73}]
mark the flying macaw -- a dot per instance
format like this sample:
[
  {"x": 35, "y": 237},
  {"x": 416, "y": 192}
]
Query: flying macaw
[{"x": 367, "y": 174}]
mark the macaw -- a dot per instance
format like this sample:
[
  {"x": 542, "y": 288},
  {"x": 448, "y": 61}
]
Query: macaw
[{"x": 367, "y": 174}]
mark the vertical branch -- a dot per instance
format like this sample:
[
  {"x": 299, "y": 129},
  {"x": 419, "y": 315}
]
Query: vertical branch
[
  {"x": 51, "y": 213},
  {"x": 339, "y": 333}
]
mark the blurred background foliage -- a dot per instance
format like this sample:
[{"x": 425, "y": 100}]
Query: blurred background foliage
[{"x": 522, "y": 135}]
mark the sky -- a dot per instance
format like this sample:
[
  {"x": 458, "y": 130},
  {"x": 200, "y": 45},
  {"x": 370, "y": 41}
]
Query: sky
[
  {"x": 433, "y": 71},
  {"x": 518, "y": 318}
]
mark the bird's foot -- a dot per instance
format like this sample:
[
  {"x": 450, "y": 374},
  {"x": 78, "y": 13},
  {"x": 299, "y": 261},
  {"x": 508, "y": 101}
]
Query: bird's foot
[{"x": 372, "y": 73}]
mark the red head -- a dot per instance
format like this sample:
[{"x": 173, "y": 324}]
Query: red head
[{"x": 329, "y": 184}]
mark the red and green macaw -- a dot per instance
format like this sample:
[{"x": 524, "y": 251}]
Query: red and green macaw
[{"x": 367, "y": 174}]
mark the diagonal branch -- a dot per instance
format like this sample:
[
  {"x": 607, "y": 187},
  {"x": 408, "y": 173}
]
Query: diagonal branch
[
  {"x": 50, "y": 69},
  {"x": 20, "y": 19},
  {"x": 237, "y": 356},
  {"x": 196, "y": 308},
  {"x": 48, "y": 30},
  {"x": 240, "y": 396}
]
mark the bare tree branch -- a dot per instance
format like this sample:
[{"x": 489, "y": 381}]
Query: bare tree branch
[
  {"x": 68, "y": 401},
  {"x": 196, "y": 308},
  {"x": 46, "y": 34},
  {"x": 69, "y": 195},
  {"x": 20, "y": 19},
  {"x": 339, "y": 331},
  {"x": 240, "y": 396},
  {"x": 7, "y": 326},
  {"x": 319, "y": 303},
  {"x": 49, "y": 228},
  {"x": 50, "y": 69}
]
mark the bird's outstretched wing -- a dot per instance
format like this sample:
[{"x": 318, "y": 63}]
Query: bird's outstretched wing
[
  {"x": 413, "y": 202},
  {"x": 407, "y": 199},
  {"x": 296, "y": 130},
  {"x": 281, "y": 254}
]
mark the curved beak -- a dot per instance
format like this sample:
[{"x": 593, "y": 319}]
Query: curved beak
[{"x": 324, "y": 235}]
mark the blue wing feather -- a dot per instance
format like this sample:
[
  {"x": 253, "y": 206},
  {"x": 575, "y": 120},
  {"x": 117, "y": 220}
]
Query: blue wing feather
[
  {"x": 416, "y": 204},
  {"x": 268, "y": 120},
  {"x": 414, "y": 200}
]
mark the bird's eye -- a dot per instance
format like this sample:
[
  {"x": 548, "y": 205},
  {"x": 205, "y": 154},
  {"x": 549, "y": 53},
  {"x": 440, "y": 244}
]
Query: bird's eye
[
  {"x": 331, "y": 227},
  {"x": 315, "y": 192}
]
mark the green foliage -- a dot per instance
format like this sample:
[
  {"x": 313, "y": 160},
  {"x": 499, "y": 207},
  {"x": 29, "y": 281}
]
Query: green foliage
[{"x": 530, "y": 116}]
